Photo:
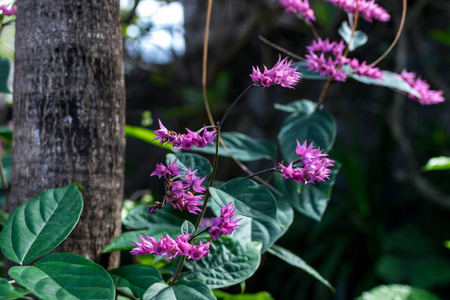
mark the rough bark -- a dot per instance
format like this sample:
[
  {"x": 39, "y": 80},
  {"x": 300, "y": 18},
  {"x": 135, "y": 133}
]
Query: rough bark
[{"x": 69, "y": 113}]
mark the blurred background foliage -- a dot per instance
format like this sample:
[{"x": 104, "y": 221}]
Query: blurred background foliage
[{"x": 383, "y": 225}]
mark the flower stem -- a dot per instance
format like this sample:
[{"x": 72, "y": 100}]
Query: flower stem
[
  {"x": 202, "y": 213},
  {"x": 263, "y": 171},
  {"x": 225, "y": 116}
]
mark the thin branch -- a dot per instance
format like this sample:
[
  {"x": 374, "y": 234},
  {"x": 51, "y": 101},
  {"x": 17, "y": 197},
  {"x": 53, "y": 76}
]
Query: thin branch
[
  {"x": 205, "y": 62},
  {"x": 399, "y": 32},
  {"x": 132, "y": 13},
  {"x": 281, "y": 49}
]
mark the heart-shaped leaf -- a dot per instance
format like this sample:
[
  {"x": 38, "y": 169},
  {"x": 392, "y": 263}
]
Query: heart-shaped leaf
[
  {"x": 229, "y": 262},
  {"x": 310, "y": 199},
  {"x": 389, "y": 80},
  {"x": 359, "y": 37},
  {"x": 192, "y": 290},
  {"x": 250, "y": 199},
  {"x": 310, "y": 125},
  {"x": 36, "y": 227},
  {"x": 139, "y": 218},
  {"x": 242, "y": 147},
  {"x": 8, "y": 291},
  {"x": 137, "y": 278},
  {"x": 296, "y": 261},
  {"x": 187, "y": 228},
  {"x": 267, "y": 233},
  {"x": 65, "y": 276},
  {"x": 186, "y": 160}
]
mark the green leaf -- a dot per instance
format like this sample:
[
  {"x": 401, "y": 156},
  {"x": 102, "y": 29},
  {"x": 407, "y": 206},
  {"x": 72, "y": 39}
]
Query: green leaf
[
  {"x": 389, "y": 80},
  {"x": 7, "y": 168},
  {"x": 250, "y": 199},
  {"x": 229, "y": 262},
  {"x": 137, "y": 278},
  {"x": 437, "y": 163},
  {"x": 267, "y": 233},
  {"x": 145, "y": 135},
  {"x": 306, "y": 125},
  {"x": 65, "y": 276},
  {"x": 6, "y": 134},
  {"x": 7, "y": 291},
  {"x": 242, "y": 147},
  {"x": 397, "y": 292},
  {"x": 123, "y": 242},
  {"x": 258, "y": 296},
  {"x": 192, "y": 290},
  {"x": 36, "y": 227},
  {"x": 186, "y": 160},
  {"x": 359, "y": 37},
  {"x": 310, "y": 199},
  {"x": 296, "y": 261},
  {"x": 187, "y": 228},
  {"x": 447, "y": 244},
  {"x": 4, "y": 74},
  {"x": 306, "y": 74},
  {"x": 139, "y": 218}
]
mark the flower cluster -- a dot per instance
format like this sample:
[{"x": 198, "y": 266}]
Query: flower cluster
[
  {"x": 299, "y": 7},
  {"x": 224, "y": 224},
  {"x": 181, "y": 194},
  {"x": 185, "y": 141},
  {"x": 326, "y": 58},
  {"x": 315, "y": 165},
  {"x": 281, "y": 74},
  {"x": 365, "y": 70},
  {"x": 168, "y": 246},
  {"x": 4, "y": 10},
  {"x": 427, "y": 96},
  {"x": 369, "y": 10}
]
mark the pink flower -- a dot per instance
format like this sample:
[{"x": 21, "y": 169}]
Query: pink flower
[
  {"x": 184, "y": 141},
  {"x": 365, "y": 70},
  {"x": 182, "y": 195},
  {"x": 299, "y": 7},
  {"x": 314, "y": 165},
  {"x": 4, "y": 10},
  {"x": 427, "y": 96},
  {"x": 369, "y": 10},
  {"x": 168, "y": 246},
  {"x": 224, "y": 224},
  {"x": 281, "y": 74},
  {"x": 326, "y": 58}
]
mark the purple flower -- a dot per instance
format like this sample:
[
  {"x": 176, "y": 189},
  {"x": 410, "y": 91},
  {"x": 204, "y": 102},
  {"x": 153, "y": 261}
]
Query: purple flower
[
  {"x": 326, "y": 58},
  {"x": 365, "y": 70},
  {"x": 427, "y": 96},
  {"x": 168, "y": 246},
  {"x": 184, "y": 141},
  {"x": 172, "y": 168},
  {"x": 4, "y": 10},
  {"x": 314, "y": 165},
  {"x": 281, "y": 74},
  {"x": 182, "y": 195},
  {"x": 160, "y": 170},
  {"x": 224, "y": 224},
  {"x": 299, "y": 7},
  {"x": 197, "y": 253},
  {"x": 369, "y": 10}
]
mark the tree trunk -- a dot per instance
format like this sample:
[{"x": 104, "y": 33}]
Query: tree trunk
[{"x": 69, "y": 113}]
